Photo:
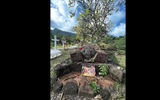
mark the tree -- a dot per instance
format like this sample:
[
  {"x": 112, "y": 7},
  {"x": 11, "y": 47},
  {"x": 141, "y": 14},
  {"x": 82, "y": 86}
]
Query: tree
[{"x": 93, "y": 19}]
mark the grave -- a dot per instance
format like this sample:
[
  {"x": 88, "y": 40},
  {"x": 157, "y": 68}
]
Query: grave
[
  {"x": 64, "y": 42},
  {"x": 55, "y": 52},
  {"x": 83, "y": 70}
]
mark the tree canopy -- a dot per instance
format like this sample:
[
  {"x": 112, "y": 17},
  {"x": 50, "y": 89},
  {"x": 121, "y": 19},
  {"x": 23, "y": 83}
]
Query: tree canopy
[{"x": 93, "y": 21}]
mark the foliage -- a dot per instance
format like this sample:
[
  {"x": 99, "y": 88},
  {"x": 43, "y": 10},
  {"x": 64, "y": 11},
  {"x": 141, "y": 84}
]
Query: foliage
[
  {"x": 95, "y": 88},
  {"x": 70, "y": 37},
  {"x": 103, "y": 45},
  {"x": 103, "y": 69},
  {"x": 115, "y": 60},
  {"x": 120, "y": 43},
  {"x": 121, "y": 60},
  {"x": 93, "y": 19},
  {"x": 115, "y": 44},
  {"x": 92, "y": 60},
  {"x": 121, "y": 52},
  {"x": 122, "y": 98},
  {"x": 118, "y": 87}
]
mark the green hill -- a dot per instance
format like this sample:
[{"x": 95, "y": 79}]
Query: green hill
[
  {"x": 58, "y": 31},
  {"x": 70, "y": 37}
]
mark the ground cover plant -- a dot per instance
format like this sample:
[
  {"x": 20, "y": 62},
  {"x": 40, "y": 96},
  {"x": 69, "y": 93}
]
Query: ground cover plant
[{"x": 103, "y": 69}]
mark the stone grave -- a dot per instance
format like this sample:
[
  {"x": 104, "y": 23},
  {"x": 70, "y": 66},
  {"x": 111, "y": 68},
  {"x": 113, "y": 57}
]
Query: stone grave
[{"x": 73, "y": 83}]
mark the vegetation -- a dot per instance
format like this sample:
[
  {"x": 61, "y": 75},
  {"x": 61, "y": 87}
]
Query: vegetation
[
  {"x": 118, "y": 87},
  {"x": 92, "y": 60},
  {"x": 95, "y": 88},
  {"x": 58, "y": 60},
  {"x": 103, "y": 69},
  {"x": 60, "y": 45},
  {"x": 118, "y": 43},
  {"x": 94, "y": 23},
  {"x": 65, "y": 55},
  {"x": 121, "y": 60},
  {"x": 69, "y": 37},
  {"x": 52, "y": 74},
  {"x": 93, "y": 26}
]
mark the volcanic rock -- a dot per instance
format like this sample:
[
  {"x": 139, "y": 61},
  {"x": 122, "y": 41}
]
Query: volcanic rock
[
  {"x": 86, "y": 90},
  {"x": 101, "y": 57},
  {"x": 76, "y": 56},
  {"x": 75, "y": 67},
  {"x": 116, "y": 73},
  {"x": 57, "y": 87},
  {"x": 60, "y": 70},
  {"x": 70, "y": 88},
  {"x": 104, "y": 93},
  {"x": 88, "y": 52}
]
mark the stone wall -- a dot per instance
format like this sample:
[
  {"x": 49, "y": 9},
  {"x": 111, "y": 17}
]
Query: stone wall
[{"x": 67, "y": 67}]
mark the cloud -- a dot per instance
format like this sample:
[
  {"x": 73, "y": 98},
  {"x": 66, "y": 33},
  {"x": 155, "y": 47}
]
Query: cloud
[
  {"x": 52, "y": 28},
  {"x": 60, "y": 17},
  {"x": 119, "y": 30},
  {"x": 116, "y": 17}
]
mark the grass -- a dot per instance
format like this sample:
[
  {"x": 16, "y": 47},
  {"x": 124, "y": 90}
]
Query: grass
[
  {"x": 58, "y": 60},
  {"x": 64, "y": 56},
  {"x": 121, "y": 60},
  {"x": 61, "y": 46},
  {"x": 118, "y": 86}
]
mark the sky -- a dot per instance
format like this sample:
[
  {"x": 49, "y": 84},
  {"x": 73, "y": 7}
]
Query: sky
[{"x": 60, "y": 18}]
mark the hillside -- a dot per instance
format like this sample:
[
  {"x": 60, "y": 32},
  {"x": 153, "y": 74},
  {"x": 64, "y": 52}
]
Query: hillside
[
  {"x": 70, "y": 37},
  {"x": 58, "y": 31}
]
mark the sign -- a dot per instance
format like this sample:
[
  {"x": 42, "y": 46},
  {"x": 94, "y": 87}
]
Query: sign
[{"x": 88, "y": 71}]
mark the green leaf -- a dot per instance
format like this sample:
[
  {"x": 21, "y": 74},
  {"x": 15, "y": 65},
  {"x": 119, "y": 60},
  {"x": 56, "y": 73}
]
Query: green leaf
[{"x": 90, "y": 5}]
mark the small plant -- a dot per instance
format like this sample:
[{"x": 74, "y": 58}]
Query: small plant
[
  {"x": 103, "y": 69},
  {"x": 95, "y": 88},
  {"x": 92, "y": 60},
  {"x": 117, "y": 85}
]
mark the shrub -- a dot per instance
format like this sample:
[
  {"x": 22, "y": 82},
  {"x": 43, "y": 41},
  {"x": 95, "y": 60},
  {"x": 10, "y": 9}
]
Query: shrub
[
  {"x": 103, "y": 69},
  {"x": 121, "y": 52},
  {"x": 92, "y": 60},
  {"x": 95, "y": 88}
]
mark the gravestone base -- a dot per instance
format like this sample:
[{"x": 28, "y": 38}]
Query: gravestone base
[
  {"x": 74, "y": 81},
  {"x": 76, "y": 56},
  {"x": 101, "y": 57},
  {"x": 70, "y": 88},
  {"x": 86, "y": 90}
]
